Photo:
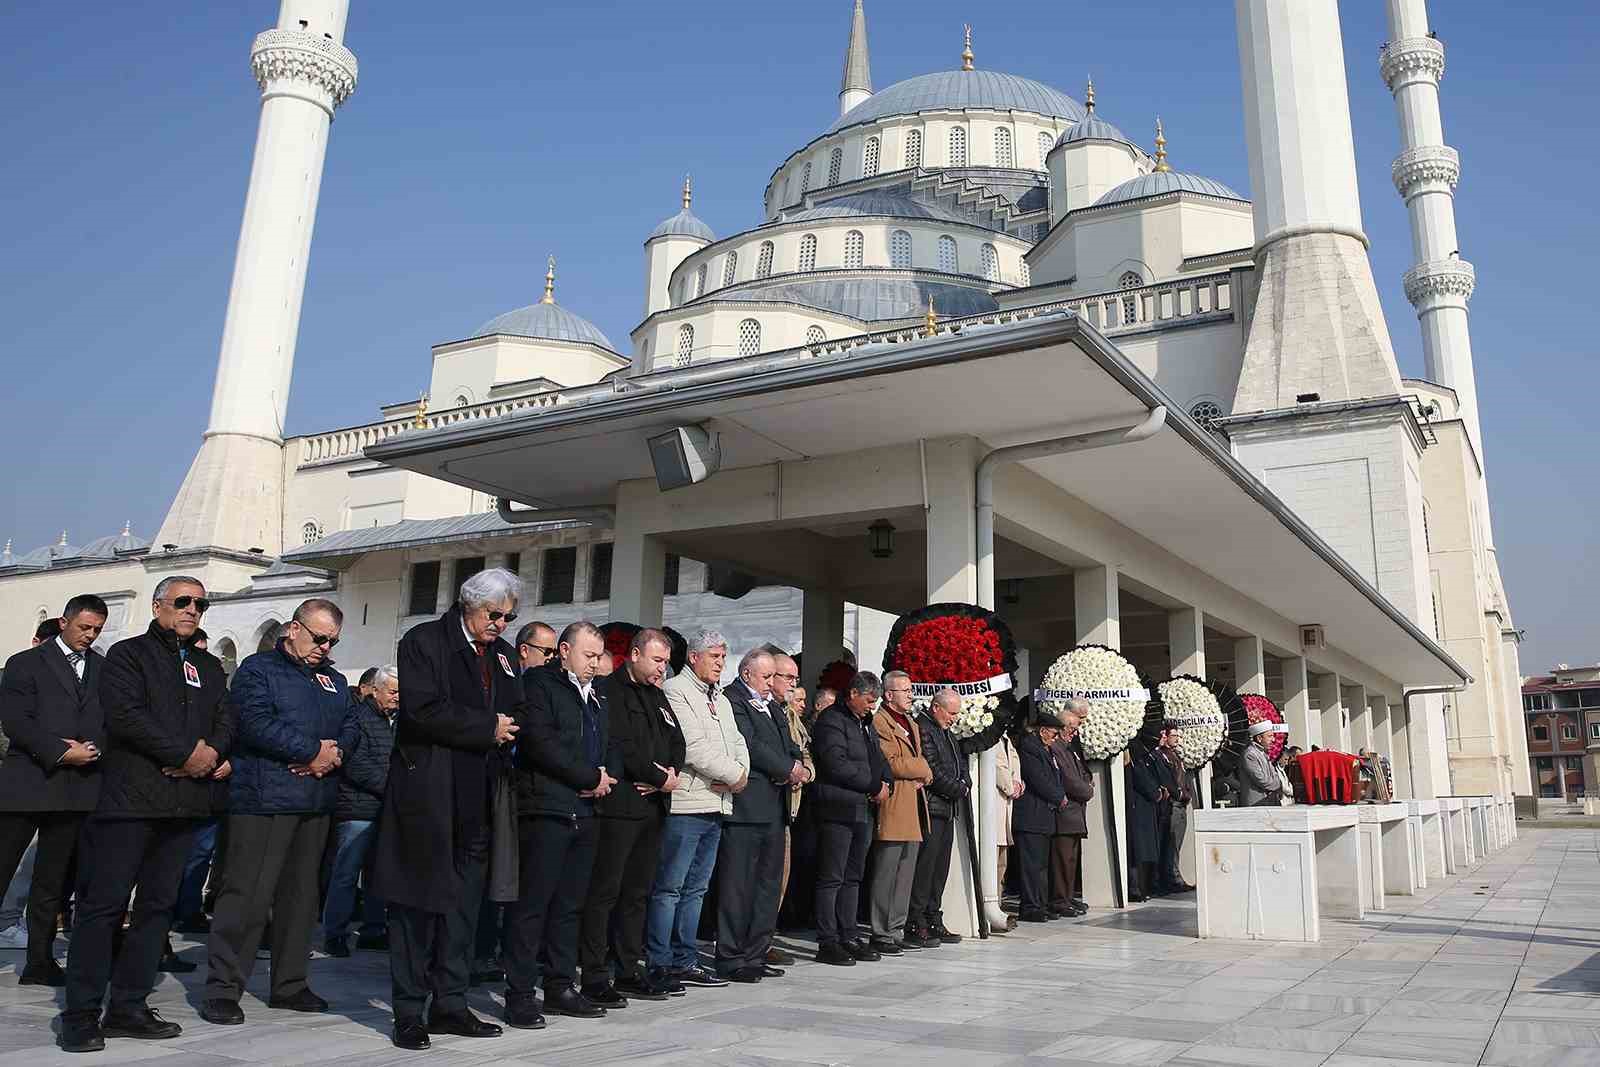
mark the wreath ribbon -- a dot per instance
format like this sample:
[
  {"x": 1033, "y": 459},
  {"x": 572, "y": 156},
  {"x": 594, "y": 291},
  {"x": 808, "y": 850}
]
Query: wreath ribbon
[
  {"x": 1094, "y": 696},
  {"x": 1000, "y": 683}
]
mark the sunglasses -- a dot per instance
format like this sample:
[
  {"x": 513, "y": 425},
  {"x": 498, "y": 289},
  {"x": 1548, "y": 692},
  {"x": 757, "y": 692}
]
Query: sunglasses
[
  {"x": 509, "y": 616},
  {"x": 542, "y": 650},
  {"x": 181, "y": 602},
  {"x": 320, "y": 639}
]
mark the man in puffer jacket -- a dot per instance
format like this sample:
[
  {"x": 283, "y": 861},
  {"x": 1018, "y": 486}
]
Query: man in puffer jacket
[
  {"x": 367, "y": 742},
  {"x": 292, "y": 707}
]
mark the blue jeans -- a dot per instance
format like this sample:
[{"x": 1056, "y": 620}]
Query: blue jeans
[
  {"x": 352, "y": 844},
  {"x": 688, "y": 855},
  {"x": 191, "y": 891}
]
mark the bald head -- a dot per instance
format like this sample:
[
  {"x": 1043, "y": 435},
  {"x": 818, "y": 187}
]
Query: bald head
[{"x": 946, "y": 706}]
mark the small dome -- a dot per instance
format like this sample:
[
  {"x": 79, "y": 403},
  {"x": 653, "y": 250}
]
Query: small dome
[
  {"x": 549, "y": 322},
  {"x": 960, "y": 90},
  {"x": 1166, "y": 181},
  {"x": 684, "y": 224},
  {"x": 1093, "y": 128},
  {"x": 114, "y": 545},
  {"x": 858, "y": 205}
]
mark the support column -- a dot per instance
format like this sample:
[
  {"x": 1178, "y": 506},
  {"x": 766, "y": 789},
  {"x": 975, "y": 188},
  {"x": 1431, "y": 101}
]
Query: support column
[
  {"x": 1186, "y": 636},
  {"x": 1400, "y": 757},
  {"x": 1098, "y": 618},
  {"x": 447, "y": 587},
  {"x": 638, "y": 575},
  {"x": 1249, "y": 665},
  {"x": 1379, "y": 715},
  {"x": 1097, "y": 610},
  {"x": 1360, "y": 716},
  {"x": 1305, "y": 729},
  {"x": 821, "y": 632},
  {"x": 1335, "y": 734}
]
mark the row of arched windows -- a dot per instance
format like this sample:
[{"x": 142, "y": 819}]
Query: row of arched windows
[
  {"x": 1005, "y": 155},
  {"x": 749, "y": 345}
]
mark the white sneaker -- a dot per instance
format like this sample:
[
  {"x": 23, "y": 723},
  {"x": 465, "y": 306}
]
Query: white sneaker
[{"x": 14, "y": 938}]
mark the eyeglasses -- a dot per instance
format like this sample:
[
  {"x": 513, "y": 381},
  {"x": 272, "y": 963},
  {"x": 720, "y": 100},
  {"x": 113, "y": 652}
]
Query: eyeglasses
[
  {"x": 788, "y": 677},
  {"x": 541, "y": 649},
  {"x": 509, "y": 616},
  {"x": 897, "y": 692},
  {"x": 179, "y": 603},
  {"x": 320, "y": 639}
]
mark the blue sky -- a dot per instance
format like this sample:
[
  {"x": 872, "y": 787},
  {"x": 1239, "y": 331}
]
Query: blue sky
[{"x": 486, "y": 135}]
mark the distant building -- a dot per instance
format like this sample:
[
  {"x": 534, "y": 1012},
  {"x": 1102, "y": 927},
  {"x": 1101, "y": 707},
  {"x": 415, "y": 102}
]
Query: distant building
[{"x": 1562, "y": 710}]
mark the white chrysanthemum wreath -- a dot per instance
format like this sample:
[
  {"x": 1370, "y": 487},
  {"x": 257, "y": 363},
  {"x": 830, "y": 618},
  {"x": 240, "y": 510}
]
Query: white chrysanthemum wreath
[
  {"x": 1189, "y": 704},
  {"x": 1117, "y": 698}
]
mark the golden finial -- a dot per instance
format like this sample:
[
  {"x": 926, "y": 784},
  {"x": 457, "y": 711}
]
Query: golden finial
[
  {"x": 688, "y": 192},
  {"x": 966, "y": 52},
  {"x": 932, "y": 326},
  {"x": 421, "y": 421},
  {"x": 1088, "y": 96},
  {"x": 550, "y": 283},
  {"x": 1161, "y": 148}
]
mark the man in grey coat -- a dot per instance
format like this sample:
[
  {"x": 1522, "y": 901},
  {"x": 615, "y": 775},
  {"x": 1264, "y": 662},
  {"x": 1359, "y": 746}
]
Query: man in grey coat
[{"x": 1258, "y": 779}]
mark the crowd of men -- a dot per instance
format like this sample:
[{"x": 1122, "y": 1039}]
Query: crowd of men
[{"x": 488, "y": 809}]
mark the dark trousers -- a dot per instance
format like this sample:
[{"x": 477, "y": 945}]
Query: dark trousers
[
  {"x": 118, "y": 854},
  {"x": 1166, "y": 857},
  {"x": 749, "y": 882},
  {"x": 626, "y": 854},
  {"x": 58, "y": 841},
  {"x": 1063, "y": 869},
  {"x": 933, "y": 870},
  {"x": 841, "y": 858},
  {"x": 430, "y": 953},
  {"x": 1033, "y": 859},
  {"x": 1170, "y": 872},
  {"x": 269, "y": 870},
  {"x": 541, "y": 934}
]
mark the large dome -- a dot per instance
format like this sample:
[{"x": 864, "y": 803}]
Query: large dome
[
  {"x": 550, "y": 322},
  {"x": 874, "y": 203},
  {"x": 984, "y": 90}
]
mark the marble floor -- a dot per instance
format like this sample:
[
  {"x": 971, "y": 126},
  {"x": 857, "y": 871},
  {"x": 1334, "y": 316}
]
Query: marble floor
[{"x": 1500, "y": 965}]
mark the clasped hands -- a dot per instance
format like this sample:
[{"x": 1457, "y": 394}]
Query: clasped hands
[
  {"x": 79, "y": 753},
  {"x": 645, "y": 789},
  {"x": 328, "y": 758},
  {"x": 603, "y": 788},
  {"x": 203, "y": 762}
]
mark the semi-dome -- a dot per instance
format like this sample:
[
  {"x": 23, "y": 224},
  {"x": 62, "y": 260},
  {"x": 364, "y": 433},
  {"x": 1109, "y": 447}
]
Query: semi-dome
[
  {"x": 1161, "y": 182},
  {"x": 684, "y": 224},
  {"x": 958, "y": 90},
  {"x": 1093, "y": 128},
  {"x": 861, "y": 205},
  {"x": 547, "y": 322}
]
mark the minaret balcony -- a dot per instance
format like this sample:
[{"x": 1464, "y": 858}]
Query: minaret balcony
[
  {"x": 285, "y": 61},
  {"x": 1426, "y": 169},
  {"x": 1440, "y": 283},
  {"x": 1411, "y": 59}
]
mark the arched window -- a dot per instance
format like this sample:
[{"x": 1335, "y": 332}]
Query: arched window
[
  {"x": 1025, "y": 272},
  {"x": 764, "y": 260},
  {"x": 462, "y": 401},
  {"x": 808, "y": 252},
  {"x": 310, "y": 534},
  {"x": 730, "y": 268},
  {"x": 900, "y": 250},
  {"x": 854, "y": 244},
  {"x": 749, "y": 337},
  {"x": 700, "y": 280},
  {"x": 989, "y": 262},
  {"x": 815, "y": 335},
  {"x": 1130, "y": 303},
  {"x": 869, "y": 158},
  {"x": 1206, "y": 413},
  {"x": 913, "y": 148},
  {"x": 949, "y": 262},
  {"x": 805, "y": 179},
  {"x": 685, "y": 344},
  {"x": 1003, "y": 154},
  {"x": 1046, "y": 142},
  {"x": 835, "y": 162},
  {"x": 958, "y": 146}
]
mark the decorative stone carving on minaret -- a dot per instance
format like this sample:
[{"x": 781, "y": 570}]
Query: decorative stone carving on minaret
[{"x": 282, "y": 59}]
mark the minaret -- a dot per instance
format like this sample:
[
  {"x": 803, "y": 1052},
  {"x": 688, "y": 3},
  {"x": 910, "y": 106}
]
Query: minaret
[
  {"x": 856, "y": 85},
  {"x": 1317, "y": 327},
  {"x": 1425, "y": 173},
  {"x": 232, "y": 497}
]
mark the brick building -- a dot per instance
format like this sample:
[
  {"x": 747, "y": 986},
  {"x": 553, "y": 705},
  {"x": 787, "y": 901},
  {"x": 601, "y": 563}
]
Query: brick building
[{"x": 1562, "y": 710}]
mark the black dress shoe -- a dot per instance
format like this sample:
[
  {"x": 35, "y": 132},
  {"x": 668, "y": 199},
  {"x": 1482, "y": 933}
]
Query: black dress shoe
[
  {"x": 743, "y": 975},
  {"x": 700, "y": 976},
  {"x": 835, "y": 954},
  {"x": 663, "y": 981},
  {"x": 887, "y": 946},
  {"x": 47, "y": 973},
  {"x": 1074, "y": 910},
  {"x": 171, "y": 963},
  {"x": 769, "y": 971},
  {"x": 373, "y": 942},
  {"x": 338, "y": 948},
  {"x": 222, "y": 1012},
  {"x": 945, "y": 936},
  {"x": 305, "y": 1001},
  {"x": 918, "y": 937},
  {"x": 81, "y": 1034},
  {"x": 145, "y": 1024},
  {"x": 776, "y": 957},
  {"x": 1033, "y": 916},
  {"x": 522, "y": 1013},
  {"x": 411, "y": 1035},
  {"x": 605, "y": 996},
  {"x": 463, "y": 1024},
  {"x": 640, "y": 987},
  {"x": 569, "y": 1001},
  {"x": 863, "y": 952}
]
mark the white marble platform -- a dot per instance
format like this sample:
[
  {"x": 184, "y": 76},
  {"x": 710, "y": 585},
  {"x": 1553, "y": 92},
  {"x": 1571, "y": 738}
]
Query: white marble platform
[
  {"x": 1274, "y": 873},
  {"x": 1427, "y": 833},
  {"x": 1385, "y": 852}
]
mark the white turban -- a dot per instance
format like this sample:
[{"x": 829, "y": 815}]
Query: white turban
[{"x": 1259, "y": 728}]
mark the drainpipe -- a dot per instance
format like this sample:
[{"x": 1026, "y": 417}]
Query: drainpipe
[
  {"x": 989, "y": 913},
  {"x": 595, "y": 515},
  {"x": 1405, "y": 702}
]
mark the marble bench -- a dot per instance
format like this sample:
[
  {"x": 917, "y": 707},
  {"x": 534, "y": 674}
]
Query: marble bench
[
  {"x": 1272, "y": 873},
  {"x": 1386, "y": 853},
  {"x": 1427, "y": 840}
]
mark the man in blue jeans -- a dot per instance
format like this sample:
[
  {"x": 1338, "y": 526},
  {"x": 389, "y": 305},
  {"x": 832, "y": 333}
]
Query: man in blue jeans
[
  {"x": 716, "y": 765},
  {"x": 367, "y": 741}
]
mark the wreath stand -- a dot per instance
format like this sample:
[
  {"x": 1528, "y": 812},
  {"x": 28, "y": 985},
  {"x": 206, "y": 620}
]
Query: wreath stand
[{"x": 1105, "y": 850}]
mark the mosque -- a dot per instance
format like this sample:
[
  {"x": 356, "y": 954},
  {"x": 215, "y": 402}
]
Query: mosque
[{"x": 1266, "y": 499}]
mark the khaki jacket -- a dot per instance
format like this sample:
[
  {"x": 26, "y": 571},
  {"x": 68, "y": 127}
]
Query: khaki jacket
[
  {"x": 904, "y": 816},
  {"x": 714, "y": 749}
]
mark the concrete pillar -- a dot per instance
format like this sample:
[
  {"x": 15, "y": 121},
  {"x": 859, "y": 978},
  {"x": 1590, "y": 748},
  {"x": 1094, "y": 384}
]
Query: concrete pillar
[
  {"x": 1425, "y": 738},
  {"x": 821, "y": 632},
  {"x": 1186, "y": 635},
  {"x": 1400, "y": 757},
  {"x": 1249, "y": 665},
  {"x": 447, "y": 586},
  {"x": 952, "y": 526},
  {"x": 1305, "y": 729},
  {"x": 1359, "y": 715},
  {"x": 1097, "y": 614},
  {"x": 638, "y": 571},
  {"x": 1335, "y": 734},
  {"x": 1379, "y": 715}
]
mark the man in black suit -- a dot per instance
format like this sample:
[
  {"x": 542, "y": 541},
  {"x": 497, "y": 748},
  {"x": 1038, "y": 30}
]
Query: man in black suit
[
  {"x": 50, "y": 779},
  {"x": 951, "y": 784},
  {"x": 460, "y": 705},
  {"x": 561, "y": 771},
  {"x": 1033, "y": 814}
]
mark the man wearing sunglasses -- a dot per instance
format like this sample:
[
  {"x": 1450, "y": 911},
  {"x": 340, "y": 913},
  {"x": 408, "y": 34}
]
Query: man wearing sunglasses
[
  {"x": 536, "y": 645},
  {"x": 169, "y": 729},
  {"x": 292, "y": 706}
]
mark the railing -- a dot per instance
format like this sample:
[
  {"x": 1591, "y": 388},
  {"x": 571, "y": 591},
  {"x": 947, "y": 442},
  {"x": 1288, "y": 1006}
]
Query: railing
[{"x": 344, "y": 445}]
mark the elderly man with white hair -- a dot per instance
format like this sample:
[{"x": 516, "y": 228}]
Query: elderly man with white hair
[
  {"x": 952, "y": 783},
  {"x": 461, "y": 706},
  {"x": 716, "y": 766},
  {"x": 367, "y": 741}
]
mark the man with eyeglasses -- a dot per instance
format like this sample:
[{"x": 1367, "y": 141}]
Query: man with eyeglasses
[
  {"x": 536, "y": 645},
  {"x": 292, "y": 706},
  {"x": 169, "y": 729}
]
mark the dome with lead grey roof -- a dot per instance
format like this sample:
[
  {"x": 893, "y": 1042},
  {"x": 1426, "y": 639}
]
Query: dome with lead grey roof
[
  {"x": 1161, "y": 182},
  {"x": 963, "y": 90}
]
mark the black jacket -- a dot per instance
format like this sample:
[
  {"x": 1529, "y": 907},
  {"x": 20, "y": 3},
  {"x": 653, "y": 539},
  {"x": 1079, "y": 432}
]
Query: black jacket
[
  {"x": 41, "y": 701},
  {"x": 1144, "y": 785},
  {"x": 158, "y": 701},
  {"x": 1076, "y": 779},
  {"x": 552, "y": 764},
  {"x": 773, "y": 755},
  {"x": 444, "y": 761},
  {"x": 850, "y": 766},
  {"x": 951, "y": 778},
  {"x": 646, "y": 733},
  {"x": 1034, "y": 812},
  {"x": 367, "y": 742}
]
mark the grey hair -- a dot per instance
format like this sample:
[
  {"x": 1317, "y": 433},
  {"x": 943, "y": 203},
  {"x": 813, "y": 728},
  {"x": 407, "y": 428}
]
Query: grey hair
[
  {"x": 490, "y": 587},
  {"x": 751, "y": 657},
  {"x": 386, "y": 673},
  {"x": 165, "y": 585},
  {"x": 866, "y": 682},
  {"x": 947, "y": 696},
  {"x": 706, "y": 640},
  {"x": 894, "y": 676},
  {"x": 1077, "y": 706}
]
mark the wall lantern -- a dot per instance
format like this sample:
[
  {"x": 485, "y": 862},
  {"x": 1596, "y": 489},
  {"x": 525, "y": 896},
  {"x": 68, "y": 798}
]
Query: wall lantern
[
  {"x": 880, "y": 539},
  {"x": 1011, "y": 590}
]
